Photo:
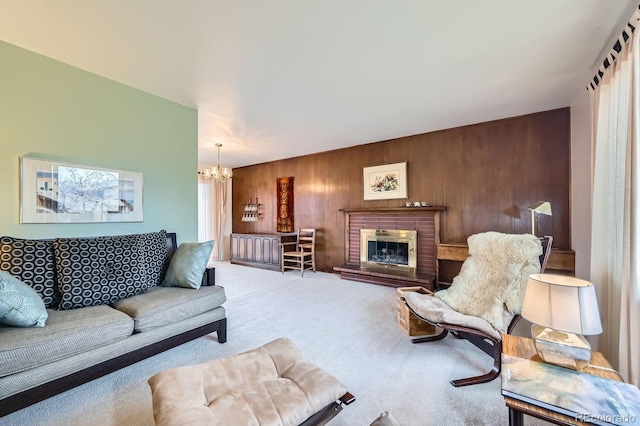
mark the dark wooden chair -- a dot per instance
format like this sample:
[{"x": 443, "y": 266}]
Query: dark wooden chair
[
  {"x": 485, "y": 337},
  {"x": 301, "y": 253}
]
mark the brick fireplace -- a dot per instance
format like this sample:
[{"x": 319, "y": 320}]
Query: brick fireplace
[{"x": 424, "y": 220}]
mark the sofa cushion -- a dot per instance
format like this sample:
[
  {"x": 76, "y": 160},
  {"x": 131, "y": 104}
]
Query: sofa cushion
[
  {"x": 33, "y": 263},
  {"x": 156, "y": 256},
  {"x": 188, "y": 264},
  {"x": 67, "y": 333},
  {"x": 20, "y": 305},
  {"x": 161, "y": 306},
  {"x": 438, "y": 312},
  {"x": 95, "y": 271}
]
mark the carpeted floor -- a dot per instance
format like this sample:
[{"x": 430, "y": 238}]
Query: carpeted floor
[{"x": 345, "y": 327}]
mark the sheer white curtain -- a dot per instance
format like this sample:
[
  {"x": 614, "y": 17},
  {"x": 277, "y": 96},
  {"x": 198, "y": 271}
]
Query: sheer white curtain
[
  {"x": 212, "y": 199},
  {"x": 615, "y": 235}
]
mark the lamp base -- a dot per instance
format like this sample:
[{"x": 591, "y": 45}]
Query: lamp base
[{"x": 559, "y": 348}]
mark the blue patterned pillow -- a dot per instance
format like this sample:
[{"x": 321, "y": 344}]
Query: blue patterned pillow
[
  {"x": 99, "y": 271},
  {"x": 20, "y": 305},
  {"x": 188, "y": 264}
]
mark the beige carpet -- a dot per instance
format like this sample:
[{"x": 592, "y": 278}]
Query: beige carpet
[{"x": 347, "y": 328}]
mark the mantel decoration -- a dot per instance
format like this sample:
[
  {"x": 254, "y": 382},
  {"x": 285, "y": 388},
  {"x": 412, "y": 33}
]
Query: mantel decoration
[
  {"x": 385, "y": 182},
  {"x": 285, "y": 204},
  {"x": 218, "y": 173},
  {"x": 56, "y": 192}
]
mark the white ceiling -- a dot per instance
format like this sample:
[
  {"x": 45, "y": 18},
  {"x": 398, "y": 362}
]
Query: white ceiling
[{"x": 273, "y": 79}]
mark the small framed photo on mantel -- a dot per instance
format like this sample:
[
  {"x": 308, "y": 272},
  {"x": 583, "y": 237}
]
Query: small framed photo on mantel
[{"x": 385, "y": 182}]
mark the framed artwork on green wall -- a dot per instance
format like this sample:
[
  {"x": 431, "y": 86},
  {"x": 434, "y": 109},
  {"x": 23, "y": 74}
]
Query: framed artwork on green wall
[{"x": 55, "y": 192}]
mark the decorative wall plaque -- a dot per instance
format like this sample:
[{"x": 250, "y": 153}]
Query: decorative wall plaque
[{"x": 285, "y": 204}]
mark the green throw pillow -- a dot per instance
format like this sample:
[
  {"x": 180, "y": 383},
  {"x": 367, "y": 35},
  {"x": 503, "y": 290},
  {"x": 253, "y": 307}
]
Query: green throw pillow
[
  {"x": 20, "y": 305},
  {"x": 188, "y": 264}
]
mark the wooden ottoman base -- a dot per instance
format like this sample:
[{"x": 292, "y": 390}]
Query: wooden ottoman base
[{"x": 410, "y": 323}]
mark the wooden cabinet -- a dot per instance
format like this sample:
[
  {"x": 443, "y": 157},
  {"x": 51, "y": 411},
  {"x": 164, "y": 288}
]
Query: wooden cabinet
[{"x": 259, "y": 250}]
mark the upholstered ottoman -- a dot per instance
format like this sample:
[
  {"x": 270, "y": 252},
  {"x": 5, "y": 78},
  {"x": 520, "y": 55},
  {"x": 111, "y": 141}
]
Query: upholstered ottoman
[{"x": 270, "y": 385}]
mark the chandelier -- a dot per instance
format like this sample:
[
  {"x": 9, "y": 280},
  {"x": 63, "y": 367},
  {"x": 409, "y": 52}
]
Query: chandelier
[{"x": 218, "y": 173}]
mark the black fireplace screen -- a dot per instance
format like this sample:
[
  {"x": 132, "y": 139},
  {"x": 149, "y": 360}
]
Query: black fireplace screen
[{"x": 388, "y": 252}]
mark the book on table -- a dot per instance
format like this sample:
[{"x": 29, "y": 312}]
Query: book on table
[{"x": 581, "y": 396}]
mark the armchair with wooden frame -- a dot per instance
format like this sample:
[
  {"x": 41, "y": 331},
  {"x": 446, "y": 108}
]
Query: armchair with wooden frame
[
  {"x": 483, "y": 334},
  {"x": 301, "y": 253}
]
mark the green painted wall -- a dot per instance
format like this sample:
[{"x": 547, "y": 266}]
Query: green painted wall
[{"x": 60, "y": 112}]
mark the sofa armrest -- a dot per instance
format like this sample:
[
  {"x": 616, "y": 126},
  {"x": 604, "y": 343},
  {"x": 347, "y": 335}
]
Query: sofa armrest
[{"x": 209, "y": 277}]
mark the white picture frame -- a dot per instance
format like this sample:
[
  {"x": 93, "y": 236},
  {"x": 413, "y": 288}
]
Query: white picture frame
[
  {"x": 385, "y": 182},
  {"x": 57, "y": 192}
]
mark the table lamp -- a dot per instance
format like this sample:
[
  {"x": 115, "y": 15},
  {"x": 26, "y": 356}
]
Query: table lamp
[{"x": 561, "y": 309}]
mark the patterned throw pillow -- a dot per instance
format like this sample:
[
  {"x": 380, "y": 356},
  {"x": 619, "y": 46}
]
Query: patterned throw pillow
[
  {"x": 102, "y": 270},
  {"x": 156, "y": 256},
  {"x": 32, "y": 262},
  {"x": 20, "y": 305}
]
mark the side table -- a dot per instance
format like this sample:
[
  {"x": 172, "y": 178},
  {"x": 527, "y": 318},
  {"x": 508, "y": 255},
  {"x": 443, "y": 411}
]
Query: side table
[{"x": 523, "y": 347}]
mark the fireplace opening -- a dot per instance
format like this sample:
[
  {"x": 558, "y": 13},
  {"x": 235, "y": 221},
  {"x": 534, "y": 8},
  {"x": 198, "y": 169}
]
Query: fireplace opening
[
  {"x": 388, "y": 248},
  {"x": 388, "y": 252}
]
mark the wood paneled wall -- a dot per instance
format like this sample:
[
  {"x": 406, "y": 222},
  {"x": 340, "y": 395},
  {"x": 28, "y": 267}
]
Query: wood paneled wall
[{"x": 486, "y": 175}]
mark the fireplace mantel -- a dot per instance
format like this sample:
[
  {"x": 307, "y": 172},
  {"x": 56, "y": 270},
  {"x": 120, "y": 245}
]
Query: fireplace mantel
[{"x": 395, "y": 210}]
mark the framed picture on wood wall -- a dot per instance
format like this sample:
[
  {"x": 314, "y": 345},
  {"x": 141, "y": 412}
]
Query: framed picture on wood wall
[
  {"x": 55, "y": 192},
  {"x": 385, "y": 182}
]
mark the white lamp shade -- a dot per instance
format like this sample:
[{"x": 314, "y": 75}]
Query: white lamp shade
[{"x": 562, "y": 303}]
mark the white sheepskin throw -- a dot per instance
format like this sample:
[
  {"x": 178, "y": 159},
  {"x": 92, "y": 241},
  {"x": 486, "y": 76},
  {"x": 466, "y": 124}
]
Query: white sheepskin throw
[{"x": 494, "y": 276}]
